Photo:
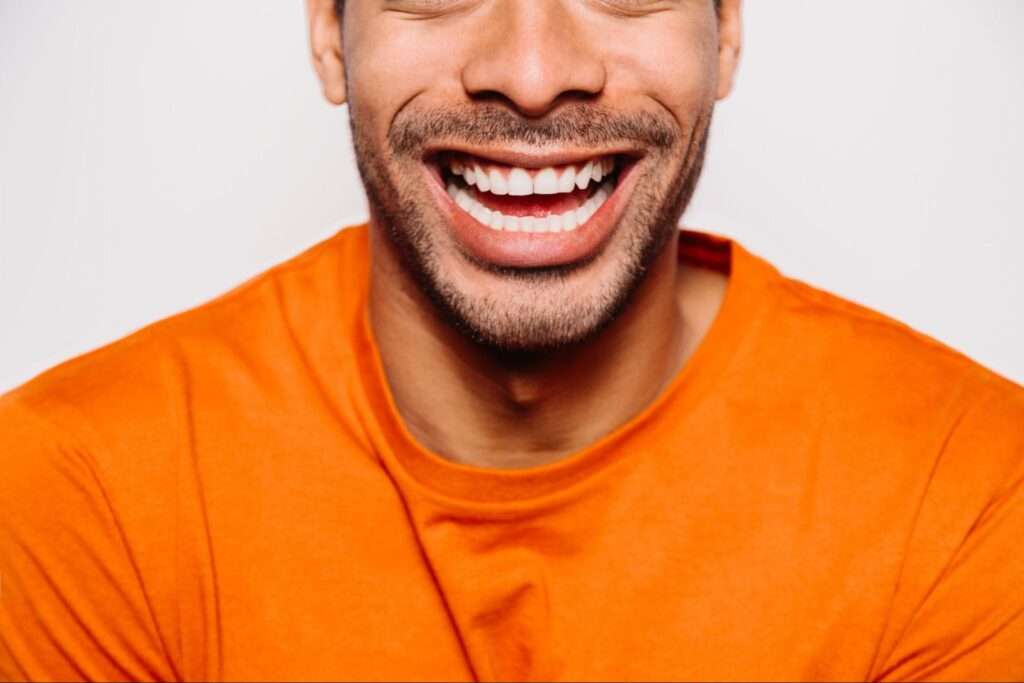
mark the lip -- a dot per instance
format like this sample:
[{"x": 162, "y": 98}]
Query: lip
[
  {"x": 531, "y": 159},
  {"x": 509, "y": 249}
]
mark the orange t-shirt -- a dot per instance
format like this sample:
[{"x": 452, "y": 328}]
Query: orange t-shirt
[{"x": 821, "y": 493}]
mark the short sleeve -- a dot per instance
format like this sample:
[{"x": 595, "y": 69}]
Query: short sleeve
[
  {"x": 959, "y": 609},
  {"x": 72, "y": 606}
]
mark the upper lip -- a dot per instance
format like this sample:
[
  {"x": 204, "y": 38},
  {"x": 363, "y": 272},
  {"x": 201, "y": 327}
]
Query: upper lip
[{"x": 525, "y": 158}]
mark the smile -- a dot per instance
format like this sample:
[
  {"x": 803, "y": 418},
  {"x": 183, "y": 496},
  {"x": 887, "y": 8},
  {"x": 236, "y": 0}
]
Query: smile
[
  {"x": 550, "y": 199},
  {"x": 526, "y": 209}
]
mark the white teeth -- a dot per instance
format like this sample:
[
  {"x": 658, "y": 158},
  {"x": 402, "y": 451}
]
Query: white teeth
[
  {"x": 567, "y": 181},
  {"x": 519, "y": 183},
  {"x": 583, "y": 177},
  {"x": 498, "y": 183},
  {"x": 583, "y": 214},
  {"x": 495, "y": 220},
  {"x": 483, "y": 181},
  {"x": 481, "y": 213},
  {"x": 546, "y": 182}
]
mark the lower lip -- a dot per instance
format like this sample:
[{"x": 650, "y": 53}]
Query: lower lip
[{"x": 513, "y": 249}]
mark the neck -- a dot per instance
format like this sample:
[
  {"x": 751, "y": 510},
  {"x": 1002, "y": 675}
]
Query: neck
[{"x": 474, "y": 406}]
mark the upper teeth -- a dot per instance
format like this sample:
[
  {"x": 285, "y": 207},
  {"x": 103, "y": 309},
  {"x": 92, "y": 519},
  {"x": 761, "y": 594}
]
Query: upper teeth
[{"x": 521, "y": 182}]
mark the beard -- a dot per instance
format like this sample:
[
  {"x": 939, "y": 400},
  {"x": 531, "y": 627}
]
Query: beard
[{"x": 540, "y": 309}]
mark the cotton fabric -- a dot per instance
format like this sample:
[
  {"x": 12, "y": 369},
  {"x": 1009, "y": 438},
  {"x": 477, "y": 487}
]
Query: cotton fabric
[{"x": 820, "y": 493}]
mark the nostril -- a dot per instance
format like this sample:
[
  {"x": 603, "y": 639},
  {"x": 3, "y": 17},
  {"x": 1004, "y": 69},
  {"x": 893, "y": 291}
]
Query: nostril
[
  {"x": 492, "y": 97},
  {"x": 533, "y": 110}
]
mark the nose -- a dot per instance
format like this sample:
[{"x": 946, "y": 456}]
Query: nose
[{"x": 533, "y": 55}]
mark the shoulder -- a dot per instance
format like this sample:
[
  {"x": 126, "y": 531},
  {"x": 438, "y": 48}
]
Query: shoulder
[
  {"x": 878, "y": 346},
  {"x": 137, "y": 391},
  {"x": 931, "y": 444},
  {"x": 890, "y": 393},
  {"x": 866, "y": 364}
]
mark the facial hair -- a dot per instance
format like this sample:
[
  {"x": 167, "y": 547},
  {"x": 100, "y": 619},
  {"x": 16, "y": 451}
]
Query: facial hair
[{"x": 547, "y": 308}]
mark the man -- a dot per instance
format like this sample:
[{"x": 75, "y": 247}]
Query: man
[{"x": 520, "y": 426}]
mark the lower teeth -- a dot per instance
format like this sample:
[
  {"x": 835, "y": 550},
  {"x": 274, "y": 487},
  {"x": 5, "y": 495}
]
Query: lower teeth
[{"x": 565, "y": 222}]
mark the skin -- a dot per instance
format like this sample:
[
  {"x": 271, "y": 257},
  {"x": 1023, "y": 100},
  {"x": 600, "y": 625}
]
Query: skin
[{"x": 470, "y": 384}]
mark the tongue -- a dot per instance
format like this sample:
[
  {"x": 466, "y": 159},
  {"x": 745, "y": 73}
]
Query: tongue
[{"x": 532, "y": 205}]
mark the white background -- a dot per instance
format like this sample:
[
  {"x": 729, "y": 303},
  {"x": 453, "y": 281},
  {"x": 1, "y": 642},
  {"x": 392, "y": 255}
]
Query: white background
[{"x": 154, "y": 153}]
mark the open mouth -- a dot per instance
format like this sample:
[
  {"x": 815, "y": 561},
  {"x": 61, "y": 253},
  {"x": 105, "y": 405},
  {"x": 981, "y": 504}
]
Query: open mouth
[
  {"x": 502, "y": 197},
  {"x": 531, "y": 210}
]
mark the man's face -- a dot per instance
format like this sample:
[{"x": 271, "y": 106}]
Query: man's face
[{"x": 529, "y": 159}]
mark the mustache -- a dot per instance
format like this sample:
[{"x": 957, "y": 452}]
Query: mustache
[{"x": 485, "y": 124}]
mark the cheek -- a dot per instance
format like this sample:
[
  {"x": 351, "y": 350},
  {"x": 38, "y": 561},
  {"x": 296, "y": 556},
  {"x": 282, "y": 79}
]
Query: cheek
[
  {"x": 674, "y": 65},
  {"x": 393, "y": 62}
]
